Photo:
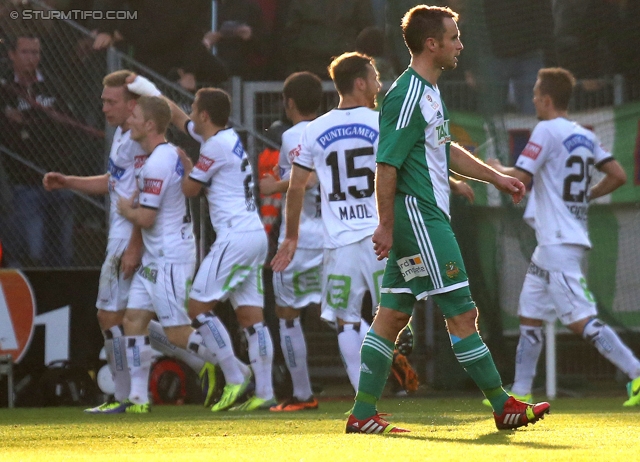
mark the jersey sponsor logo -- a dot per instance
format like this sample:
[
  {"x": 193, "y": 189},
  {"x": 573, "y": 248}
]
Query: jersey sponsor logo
[
  {"x": 152, "y": 186},
  {"x": 451, "y": 270},
  {"x": 576, "y": 141},
  {"x": 115, "y": 171},
  {"x": 204, "y": 163},
  {"x": 353, "y": 212},
  {"x": 238, "y": 149},
  {"x": 341, "y": 132},
  {"x": 579, "y": 211},
  {"x": 179, "y": 168},
  {"x": 295, "y": 152},
  {"x": 532, "y": 150},
  {"x": 443, "y": 134},
  {"x": 17, "y": 314},
  {"x": 138, "y": 161},
  {"x": 412, "y": 267}
]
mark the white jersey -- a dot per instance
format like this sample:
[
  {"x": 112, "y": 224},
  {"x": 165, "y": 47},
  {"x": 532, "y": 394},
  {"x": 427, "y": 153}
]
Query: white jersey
[
  {"x": 125, "y": 161},
  {"x": 224, "y": 168},
  {"x": 561, "y": 155},
  {"x": 311, "y": 232},
  {"x": 341, "y": 147},
  {"x": 160, "y": 184}
]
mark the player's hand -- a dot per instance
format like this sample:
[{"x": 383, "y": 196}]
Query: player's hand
[
  {"x": 268, "y": 184},
  {"x": 512, "y": 186},
  {"x": 462, "y": 188},
  {"x": 382, "y": 240},
  {"x": 127, "y": 204},
  {"x": 143, "y": 87},
  {"x": 186, "y": 161},
  {"x": 187, "y": 80},
  {"x": 54, "y": 180},
  {"x": 284, "y": 255},
  {"x": 103, "y": 40},
  {"x": 130, "y": 261}
]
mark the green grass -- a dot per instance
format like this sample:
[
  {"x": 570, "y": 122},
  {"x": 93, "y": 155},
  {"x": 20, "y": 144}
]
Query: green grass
[{"x": 441, "y": 430}]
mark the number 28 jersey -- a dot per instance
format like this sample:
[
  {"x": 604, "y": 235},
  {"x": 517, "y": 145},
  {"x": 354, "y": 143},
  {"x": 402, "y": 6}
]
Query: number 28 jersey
[
  {"x": 561, "y": 155},
  {"x": 340, "y": 146}
]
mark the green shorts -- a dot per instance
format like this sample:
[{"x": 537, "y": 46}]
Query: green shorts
[{"x": 425, "y": 260}]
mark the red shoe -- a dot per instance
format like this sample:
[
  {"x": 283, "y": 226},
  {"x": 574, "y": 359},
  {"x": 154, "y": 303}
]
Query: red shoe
[
  {"x": 518, "y": 414},
  {"x": 375, "y": 424},
  {"x": 294, "y": 404}
]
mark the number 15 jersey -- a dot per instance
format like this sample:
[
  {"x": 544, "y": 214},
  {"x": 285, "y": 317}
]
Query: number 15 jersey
[
  {"x": 341, "y": 147},
  {"x": 560, "y": 155}
]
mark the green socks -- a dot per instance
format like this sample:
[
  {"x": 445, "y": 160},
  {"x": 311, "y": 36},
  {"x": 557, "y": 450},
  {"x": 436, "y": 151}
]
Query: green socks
[
  {"x": 475, "y": 358},
  {"x": 376, "y": 357}
]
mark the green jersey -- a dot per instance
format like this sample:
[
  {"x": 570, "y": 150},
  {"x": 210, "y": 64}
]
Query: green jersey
[{"x": 415, "y": 138}]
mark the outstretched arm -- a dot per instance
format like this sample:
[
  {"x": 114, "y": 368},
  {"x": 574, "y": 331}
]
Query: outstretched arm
[{"x": 95, "y": 185}]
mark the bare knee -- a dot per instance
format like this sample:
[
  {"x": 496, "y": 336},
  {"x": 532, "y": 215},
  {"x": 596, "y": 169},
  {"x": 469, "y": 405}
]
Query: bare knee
[
  {"x": 135, "y": 322},
  {"x": 287, "y": 313},
  {"x": 249, "y": 315},
  {"x": 388, "y": 323},
  {"x": 109, "y": 319},
  {"x": 463, "y": 325}
]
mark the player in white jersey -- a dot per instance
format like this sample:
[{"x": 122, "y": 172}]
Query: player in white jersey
[
  {"x": 299, "y": 285},
  {"x": 159, "y": 288},
  {"x": 559, "y": 158},
  {"x": 340, "y": 146},
  {"x": 124, "y": 245}
]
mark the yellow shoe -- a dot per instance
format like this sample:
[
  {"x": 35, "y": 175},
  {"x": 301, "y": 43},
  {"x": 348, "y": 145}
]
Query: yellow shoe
[
  {"x": 633, "y": 389},
  {"x": 230, "y": 395}
]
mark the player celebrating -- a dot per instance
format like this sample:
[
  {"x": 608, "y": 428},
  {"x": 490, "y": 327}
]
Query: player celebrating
[
  {"x": 124, "y": 244},
  {"x": 559, "y": 158},
  {"x": 299, "y": 284},
  {"x": 412, "y": 193},
  {"x": 340, "y": 146}
]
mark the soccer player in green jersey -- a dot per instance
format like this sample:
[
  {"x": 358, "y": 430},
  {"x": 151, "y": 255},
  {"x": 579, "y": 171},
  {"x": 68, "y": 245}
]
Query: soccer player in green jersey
[{"x": 412, "y": 193}]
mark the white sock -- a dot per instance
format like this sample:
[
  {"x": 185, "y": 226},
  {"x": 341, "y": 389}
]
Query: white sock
[
  {"x": 217, "y": 339},
  {"x": 350, "y": 343},
  {"x": 160, "y": 342},
  {"x": 611, "y": 347},
  {"x": 364, "y": 328},
  {"x": 139, "y": 354},
  {"x": 527, "y": 354},
  {"x": 115, "y": 347},
  {"x": 294, "y": 349},
  {"x": 261, "y": 358}
]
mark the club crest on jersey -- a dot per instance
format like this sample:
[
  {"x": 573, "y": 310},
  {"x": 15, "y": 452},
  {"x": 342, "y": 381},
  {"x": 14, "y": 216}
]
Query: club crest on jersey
[
  {"x": 204, "y": 163},
  {"x": 576, "y": 141},
  {"x": 442, "y": 131},
  {"x": 532, "y": 150},
  {"x": 363, "y": 132},
  {"x": 451, "y": 269},
  {"x": 433, "y": 103},
  {"x": 152, "y": 186},
  {"x": 412, "y": 267}
]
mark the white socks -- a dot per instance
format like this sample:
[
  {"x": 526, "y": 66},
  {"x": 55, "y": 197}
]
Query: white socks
[
  {"x": 217, "y": 340},
  {"x": 527, "y": 355},
  {"x": 350, "y": 342},
  {"x": 294, "y": 350},
  {"x": 115, "y": 348},
  {"x": 160, "y": 342},
  {"x": 611, "y": 347},
  {"x": 261, "y": 358},
  {"x": 139, "y": 356}
]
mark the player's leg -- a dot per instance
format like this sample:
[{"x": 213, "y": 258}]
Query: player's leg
[
  {"x": 295, "y": 288},
  {"x": 139, "y": 357}
]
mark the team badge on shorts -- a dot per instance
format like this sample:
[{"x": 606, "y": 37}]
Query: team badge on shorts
[{"x": 451, "y": 269}]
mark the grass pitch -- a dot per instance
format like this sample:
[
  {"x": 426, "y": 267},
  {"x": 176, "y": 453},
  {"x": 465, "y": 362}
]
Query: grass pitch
[{"x": 441, "y": 430}]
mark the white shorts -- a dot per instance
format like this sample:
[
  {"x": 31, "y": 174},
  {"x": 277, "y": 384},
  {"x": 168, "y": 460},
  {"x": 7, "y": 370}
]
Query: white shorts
[
  {"x": 233, "y": 270},
  {"x": 300, "y": 284},
  {"x": 348, "y": 273},
  {"x": 555, "y": 287},
  {"x": 162, "y": 287},
  {"x": 113, "y": 289}
]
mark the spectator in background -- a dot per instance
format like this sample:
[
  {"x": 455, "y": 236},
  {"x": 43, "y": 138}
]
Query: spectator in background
[
  {"x": 240, "y": 38},
  {"x": 38, "y": 128},
  {"x": 317, "y": 30},
  {"x": 166, "y": 36}
]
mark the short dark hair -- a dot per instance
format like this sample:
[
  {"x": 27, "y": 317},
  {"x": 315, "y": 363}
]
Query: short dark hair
[
  {"x": 216, "y": 103},
  {"x": 346, "y": 68},
  {"x": 119, "y": 79},
  {"x": 558, "y": 84},
  {"x": 305, "y": 89},
  {"x": 422, "y": 22},
  {"x": 370, "y": 41},
  {"x": 157, "y": 109}
]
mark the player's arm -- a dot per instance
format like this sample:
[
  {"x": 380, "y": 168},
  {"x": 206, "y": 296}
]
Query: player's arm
[
  {"x": 386, "y": 179},
  {"x": 466, "y": 164},
  {"x": 132, "y": 256},
  {"x": 269, "y": 184},
  {"x": 461, "y": 188},
  {"x": 295, "y": 196},
  {"x": 141, "y": 216},
  {"x": 190, "y": 187},
  {"x": 94, "y": 185},
  {"x": 615, "y": 177}
]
